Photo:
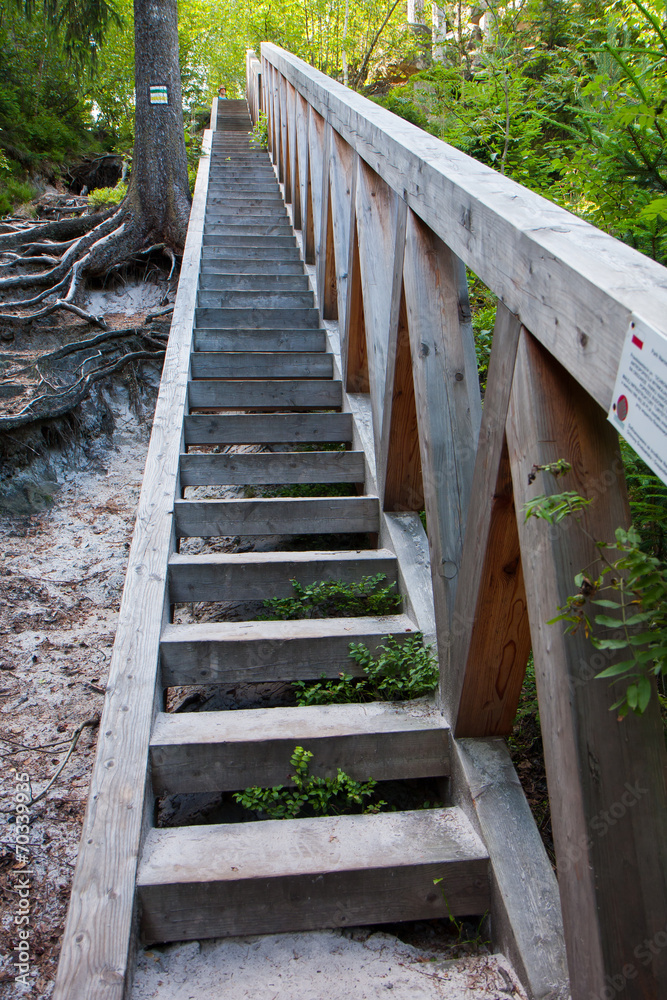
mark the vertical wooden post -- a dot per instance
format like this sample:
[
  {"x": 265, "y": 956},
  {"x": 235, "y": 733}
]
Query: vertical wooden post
[
  {"x": 326, "y": 262},
  {"x": 396, "y": 391},
  {"x": 606, "y": 778},
  {"x": 286, "y": 140},
  {"x": 342, "y": 166},
  {"x": 304, "y": 173},
  {"x": 353, "y": 335},
  {"x": 490, "y": 630},
  {"x": 430, "y": 274}
]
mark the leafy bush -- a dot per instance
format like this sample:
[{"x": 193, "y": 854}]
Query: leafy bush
[
  {"x": 311, "y": 796},
  {"x": 101, "y": 197},
  {"x": 334, "y": 599},
  {"x": 13, "y": 193},
  {"x": 401, "y": 671}
]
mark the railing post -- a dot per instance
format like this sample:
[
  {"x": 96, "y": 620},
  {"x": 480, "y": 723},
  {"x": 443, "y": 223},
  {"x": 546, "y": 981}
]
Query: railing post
[
  {"x": 606, "y": 778},
  {"x": 490, "y": 631}
]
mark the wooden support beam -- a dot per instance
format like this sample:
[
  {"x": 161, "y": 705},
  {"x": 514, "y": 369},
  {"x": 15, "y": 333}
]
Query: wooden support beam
[
  {"x": 403, "y": 486},
  {"x": 284, "y": 117},
  {"x": 316, "y": 138},
  {"x": 294, "y": 154},
  {"x": 302, "y": 113},
  {"x": 606, "y": 778},
  {"x": 443, "y": 410},
  {"x": 342, "y": 166},
  {"x": 326, "y": 264},
  {"x": 490, "y": 634},
  {"x": 354, "y": 354},
  {"x": 376, "y": 218}
]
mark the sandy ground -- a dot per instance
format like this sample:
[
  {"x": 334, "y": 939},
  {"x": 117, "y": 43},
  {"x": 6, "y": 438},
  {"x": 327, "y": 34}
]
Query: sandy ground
[{"x": 320, "y": 965}]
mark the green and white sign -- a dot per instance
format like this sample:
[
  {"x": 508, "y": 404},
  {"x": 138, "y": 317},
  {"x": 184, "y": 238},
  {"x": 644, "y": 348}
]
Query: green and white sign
[{"x": 159, "y": 95}]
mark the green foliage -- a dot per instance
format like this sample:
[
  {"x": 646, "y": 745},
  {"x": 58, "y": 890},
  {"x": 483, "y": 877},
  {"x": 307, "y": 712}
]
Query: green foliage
[
  {"x": 648, "y": 502},
  {"x": 14, "y": 193},
  {"x": 627, "y": 581},
  {"x": 311, "y": 796},
  {"x": 260, "y": 132},
  {"x": 334, "y": 599},
  {"x": 102, "y": 197},
  {"x": 301, "y": 490},
  {"x": 399, "y": 672}
]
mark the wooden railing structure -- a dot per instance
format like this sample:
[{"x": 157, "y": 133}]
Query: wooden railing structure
[{"x": 390, "y": 217}]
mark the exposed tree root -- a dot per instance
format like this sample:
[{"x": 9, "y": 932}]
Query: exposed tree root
[
  {"x": 57, "y": 268},
  {"x": 59, "y": 380}
]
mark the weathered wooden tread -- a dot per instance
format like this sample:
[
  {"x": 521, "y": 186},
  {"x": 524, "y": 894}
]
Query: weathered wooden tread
[
  {"x": 271, "y": 298},
  {"x": 253, "y": 576},
  {"x": 228, "y": 751},
  {"x": 273, "y": 467},
  {"x": 253, "y": 282},
  {"x": 276, "y": 516},
  {"x": 302, "y": 318},
  {"x": 281, "y": 394},
  {"x": 276, "y": 428},
  {"x": 298, "y": 341},
  {"x": 304, "y": 874},
  {"x": 257, "y": 364},
  {"x": 254, "y": 652}
]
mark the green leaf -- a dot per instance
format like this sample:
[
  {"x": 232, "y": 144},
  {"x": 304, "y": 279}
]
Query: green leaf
[
  {"x": 616, "y": 669},
  {"x": 610, "y": 643},
  {"x": 605, "y": 603},
  {"x": 644, "y": 693}
]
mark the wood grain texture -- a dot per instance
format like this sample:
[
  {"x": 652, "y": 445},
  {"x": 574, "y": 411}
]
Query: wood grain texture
[
  {"x": 525, "y": 906},
  {"x": 292, "y": 516},
  {"x": 268, "y": 468},
  {"x": 491, "y": 633},
  {"x": 354, "y": 344},
  {"x": 281, "y": 394},
  {"x": 305, "y": 649},
  {"x": 254, "y": 576},
  {"x": 443, "y": 411},
  {"x": 612, "y": 876},
  {"x": 281, "y": 875},
  {"x": 316, "y": 141},
  {"x": 342, "y": 166},
  {"x": 97, "y": 940},
  {"x": 228, "y": 751},
  {"x": 255, "y": 365},
  {"x": 573, "y": 286},
  {"x": 376, "y": 230},
  {"x": 278, "y": 428}
]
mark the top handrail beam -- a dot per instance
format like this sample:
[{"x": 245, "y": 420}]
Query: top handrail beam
[{"x": 574, "y": 287}]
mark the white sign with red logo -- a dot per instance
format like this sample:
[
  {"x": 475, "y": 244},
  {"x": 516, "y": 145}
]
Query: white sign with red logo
[{"x": 639, "y": 404}]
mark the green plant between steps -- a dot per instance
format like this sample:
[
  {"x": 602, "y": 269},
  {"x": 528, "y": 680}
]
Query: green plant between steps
[
  {"x": 311, "y": 796},
  {"x": 334, "y": 599},
  {"x": 400, "y": 671}
]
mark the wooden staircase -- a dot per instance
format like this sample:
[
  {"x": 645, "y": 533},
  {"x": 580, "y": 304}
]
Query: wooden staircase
[
  {"x": 260, "y": 352},
  {"x": 252, "y": 396}
]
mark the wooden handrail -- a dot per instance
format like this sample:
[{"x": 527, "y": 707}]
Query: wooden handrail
[{"x": 390, "y": 216}]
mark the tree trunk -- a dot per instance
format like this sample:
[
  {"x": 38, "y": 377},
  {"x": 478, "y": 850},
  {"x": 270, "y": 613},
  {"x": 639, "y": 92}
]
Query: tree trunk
[{"x": 159, "y": 193}]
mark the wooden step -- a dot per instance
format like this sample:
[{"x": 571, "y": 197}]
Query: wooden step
[
  {"x": 240, "y": 214},
  {"x": 305, "y": 874},
  {"x": 258, "y": 652},
  {"x": 218, "y": 238},
  {"x": 263, "y": 254},
  {"x": 256, "y": 576},
  {"x": 247, "y": 266},
  {"x": 232, "y": 281},
  {"x": 256, "y": 319},
  {"x": 291, "y": 516},
  {"x": 255, "y": 299},
  {"x": 269, "y": 468},
  {"x": 266, "y": 199},
  {"x": 260, "y": 340},
  {"x": 282, "y": 394},
  {"x": 243, "y": 230},
  {"x": 276, "y": 428},
  {"x": 259, "y": 365},
  {"x": 228, "y": 751}
]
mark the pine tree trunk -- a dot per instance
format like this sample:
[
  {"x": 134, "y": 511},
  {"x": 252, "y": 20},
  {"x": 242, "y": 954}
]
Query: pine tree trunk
[{"x": 159, "y": 194}]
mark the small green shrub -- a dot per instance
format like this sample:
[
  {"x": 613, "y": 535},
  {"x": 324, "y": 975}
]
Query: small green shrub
[
  {"x": 101, "y": 197},
  {"x": 301, "y": 490},
  {"x": 399, "y": 672},
  {"x": 311, "y": 796},
  {"x": 260, "y": 133},
  {"x": 334, "y": 599}
]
